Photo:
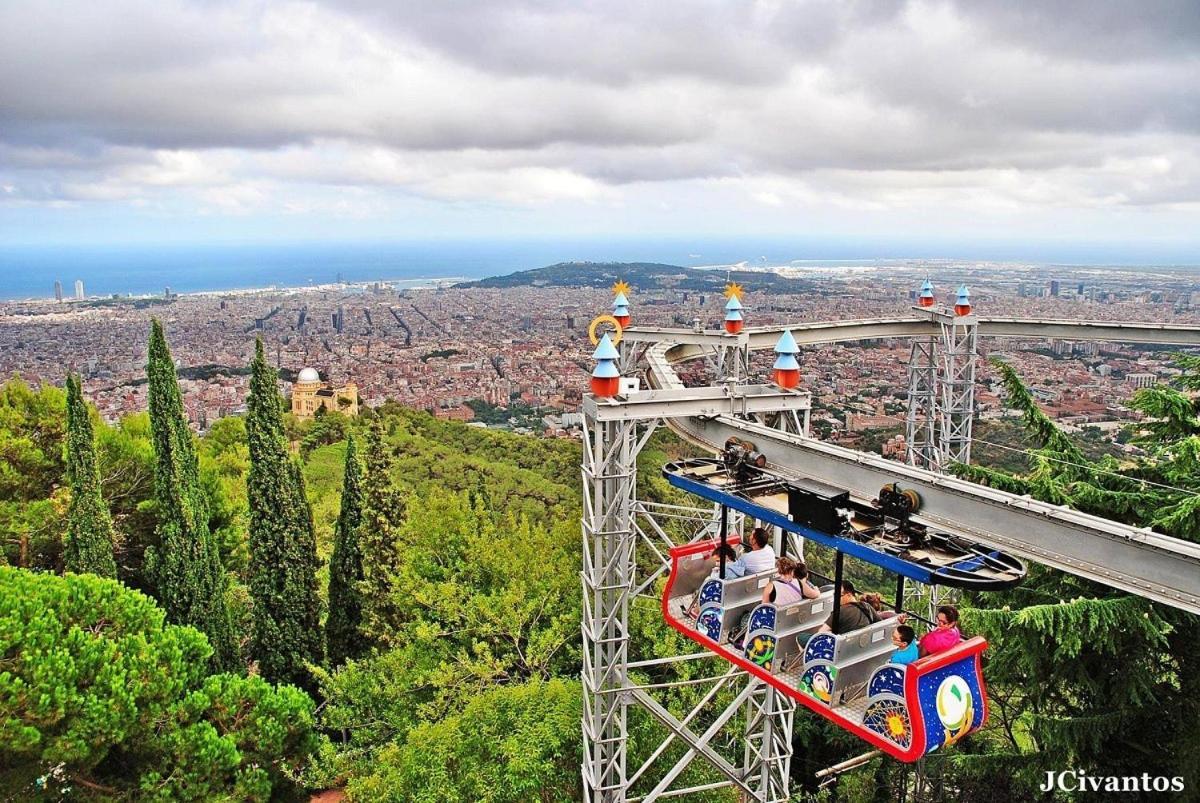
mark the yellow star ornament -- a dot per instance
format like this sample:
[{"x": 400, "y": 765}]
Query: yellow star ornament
[
  {"x": 621, "y": 287},
  {"x": 734, "y": 290}
]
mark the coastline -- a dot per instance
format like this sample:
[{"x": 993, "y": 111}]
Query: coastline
[{"x": 418, "y": 283}]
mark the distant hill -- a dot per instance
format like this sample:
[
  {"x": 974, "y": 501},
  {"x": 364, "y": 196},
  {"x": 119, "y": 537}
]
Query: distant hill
[{"x": 643, "y": 276}]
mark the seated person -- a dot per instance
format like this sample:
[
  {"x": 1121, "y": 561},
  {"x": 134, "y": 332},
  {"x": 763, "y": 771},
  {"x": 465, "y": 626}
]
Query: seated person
[
  {"x": 876, "y": 602},
  {"x": 733, "y": 567},
  {"x": 945, "y": 635},
  {"x": 852, "y": 612},
  {"x": 759, "y": 556},
  {"x": 790, "y": 585},
  {"x": 906, "y": 646}
]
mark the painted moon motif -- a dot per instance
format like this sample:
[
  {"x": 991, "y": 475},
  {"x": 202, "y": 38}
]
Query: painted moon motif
[{"x": 954, "y": 702}]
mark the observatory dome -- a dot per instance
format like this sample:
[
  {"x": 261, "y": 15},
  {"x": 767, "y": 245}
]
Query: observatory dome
[{"x": 308, "y": 375}]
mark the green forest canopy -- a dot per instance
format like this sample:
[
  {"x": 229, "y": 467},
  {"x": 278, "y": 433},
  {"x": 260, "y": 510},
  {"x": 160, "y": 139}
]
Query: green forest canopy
[{"x": 480, "y": 669}]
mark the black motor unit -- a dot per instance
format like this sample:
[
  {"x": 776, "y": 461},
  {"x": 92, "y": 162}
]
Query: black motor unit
[{"x": 816, "y": 505}]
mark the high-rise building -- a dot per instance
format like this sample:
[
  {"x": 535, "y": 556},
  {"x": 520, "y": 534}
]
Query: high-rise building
[
  {"x": 79, "y": 289},
  {"x": 57, "y": 290},
  {"x": 1054, "y": 287}
]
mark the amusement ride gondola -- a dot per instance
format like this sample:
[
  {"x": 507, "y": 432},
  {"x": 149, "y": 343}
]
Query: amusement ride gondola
[{"x": 905, "y": 711}]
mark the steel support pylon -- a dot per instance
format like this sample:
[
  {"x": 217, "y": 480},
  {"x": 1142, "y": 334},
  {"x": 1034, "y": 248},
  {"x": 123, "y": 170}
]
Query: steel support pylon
[
  {"x": 732, "y": 362},
  {"x": 956, "y": 401},
  {"x": 767, "y": 763},
  {"x": 920, "y": 430},
  {"x": 626, "y": 544},
  {"x": 609, "y": 473}
]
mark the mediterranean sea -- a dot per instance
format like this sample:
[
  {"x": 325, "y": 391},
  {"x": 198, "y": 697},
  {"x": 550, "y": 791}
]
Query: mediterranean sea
[{"x": 29, "y": 271}]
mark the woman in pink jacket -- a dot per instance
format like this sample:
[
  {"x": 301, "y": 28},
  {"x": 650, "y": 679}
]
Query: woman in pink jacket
[{"x": 945, "y": 635}]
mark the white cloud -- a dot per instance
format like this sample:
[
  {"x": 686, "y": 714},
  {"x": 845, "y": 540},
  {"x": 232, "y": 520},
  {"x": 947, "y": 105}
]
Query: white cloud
[{"x": 925, "y": 106}]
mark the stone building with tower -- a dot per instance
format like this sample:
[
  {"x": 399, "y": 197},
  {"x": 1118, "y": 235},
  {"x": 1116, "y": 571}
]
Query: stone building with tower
[{"x": 310, "y": 394}]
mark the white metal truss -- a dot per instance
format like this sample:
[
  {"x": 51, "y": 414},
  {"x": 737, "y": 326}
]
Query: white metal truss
[
  {"x": 956, "y": 401},
  {"x": 732, "y": 361},
  {"x": 626, "y": 544},
  {"x": 920, "y": 430},
  {"x": 768, "y": 753},
  {"x": 609, "y": 475}
]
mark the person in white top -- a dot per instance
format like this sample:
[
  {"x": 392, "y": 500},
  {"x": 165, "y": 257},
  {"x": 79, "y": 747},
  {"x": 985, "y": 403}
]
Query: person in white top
[
  {"x": 759, "y": 556},
  {"x": 790, "y": 585}
]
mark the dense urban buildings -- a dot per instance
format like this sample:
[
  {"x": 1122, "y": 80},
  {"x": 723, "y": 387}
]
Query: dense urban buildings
[{"x": 453, "y": 350}]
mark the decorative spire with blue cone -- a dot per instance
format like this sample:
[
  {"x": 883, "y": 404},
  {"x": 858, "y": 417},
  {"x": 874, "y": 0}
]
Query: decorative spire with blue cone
[
  {"x": 733, "y": 315},
  {"x": 786, "y": 370},
  {"x": 925, "y": 298},
  {"x": 962, "y": 304},
  {"x": 606, "y": 379}
]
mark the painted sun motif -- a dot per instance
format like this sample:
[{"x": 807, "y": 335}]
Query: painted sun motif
[
  {"x": 621, "y": 287},
  {"x": 889, "y": 717},
  {"x": 734, "y": 290}
]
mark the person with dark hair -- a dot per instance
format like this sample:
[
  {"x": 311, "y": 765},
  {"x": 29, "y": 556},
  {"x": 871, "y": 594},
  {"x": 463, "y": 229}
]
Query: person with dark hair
[
  {"x": 790, "y": 585},
  {"x": 906, "y": 646},
  {"x": 873, "y": 599},
  {"x": 733, "y": 567},
  {"x": 945, "y": 635},
  {"x": 758, "y": 557},
  {"x": 852, "y": 612}
]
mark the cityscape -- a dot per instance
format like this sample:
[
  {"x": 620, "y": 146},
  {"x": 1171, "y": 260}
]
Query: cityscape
[{"x": 441, "y": 346}]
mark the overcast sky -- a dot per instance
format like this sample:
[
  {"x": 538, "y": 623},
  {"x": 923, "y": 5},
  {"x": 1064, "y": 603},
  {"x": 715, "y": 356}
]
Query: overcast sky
[{"x": 180, "y": 121}]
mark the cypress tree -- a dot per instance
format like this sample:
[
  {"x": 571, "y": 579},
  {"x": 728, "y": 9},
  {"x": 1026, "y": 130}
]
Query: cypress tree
[
  {"x": 282, "y": 545},
  {"x": 378, "y": 537},
  {"x": 89, "y": 545},
  {"x": 185, "y": 567},
  {"x": 346, "y": 566},
  {"x": 305, "y": 568}
]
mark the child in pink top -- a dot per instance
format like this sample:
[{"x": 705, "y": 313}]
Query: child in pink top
[{"x": 945, "y": 635}]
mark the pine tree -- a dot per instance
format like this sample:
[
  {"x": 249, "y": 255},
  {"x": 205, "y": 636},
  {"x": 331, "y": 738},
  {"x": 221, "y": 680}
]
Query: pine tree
[
  {"x": 346, "y": 566},
  {"x": 89, "y": 546},
  {"x": 185, "y": 567},
  {"x": 1081, "y": 675},
  {"x": 283, "y": 583},
  {"x": 379, "y": 539}
]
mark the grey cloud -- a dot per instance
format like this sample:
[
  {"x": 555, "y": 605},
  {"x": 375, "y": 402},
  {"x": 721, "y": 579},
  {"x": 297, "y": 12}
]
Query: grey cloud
[
  {"x": 617, "y": 92},
  {"x": 1095, "y": 30}
]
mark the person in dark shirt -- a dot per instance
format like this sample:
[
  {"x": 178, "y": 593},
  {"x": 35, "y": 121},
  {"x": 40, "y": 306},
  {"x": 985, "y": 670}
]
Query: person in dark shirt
[{"x": 853, "y": 613}]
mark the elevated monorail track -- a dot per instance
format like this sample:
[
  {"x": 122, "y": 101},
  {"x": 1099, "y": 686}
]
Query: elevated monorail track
[{"x": 819, "y": 332}]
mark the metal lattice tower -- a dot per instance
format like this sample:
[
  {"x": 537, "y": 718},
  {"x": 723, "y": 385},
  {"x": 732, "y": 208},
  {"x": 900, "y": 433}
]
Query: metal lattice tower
[
  {"x": 956, "y": 402},
  {"x": 941, "y": 391},
  {"x": 609, "y": 471},
  {"x": 920, "y": 431},
  {"x": 625, "y": 553}
]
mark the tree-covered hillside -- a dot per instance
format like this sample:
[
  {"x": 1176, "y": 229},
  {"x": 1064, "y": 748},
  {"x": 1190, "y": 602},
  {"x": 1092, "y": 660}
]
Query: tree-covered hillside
[
  {"x": 446, "y": 578},
  {"x": 643, "y": 275}
]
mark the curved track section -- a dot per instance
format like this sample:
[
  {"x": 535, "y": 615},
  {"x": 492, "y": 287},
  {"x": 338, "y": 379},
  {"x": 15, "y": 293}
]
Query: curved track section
[{"x": 817, "y": 332}]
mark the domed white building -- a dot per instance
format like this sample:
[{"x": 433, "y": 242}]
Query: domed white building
[{"x": 310, "y": 394}]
